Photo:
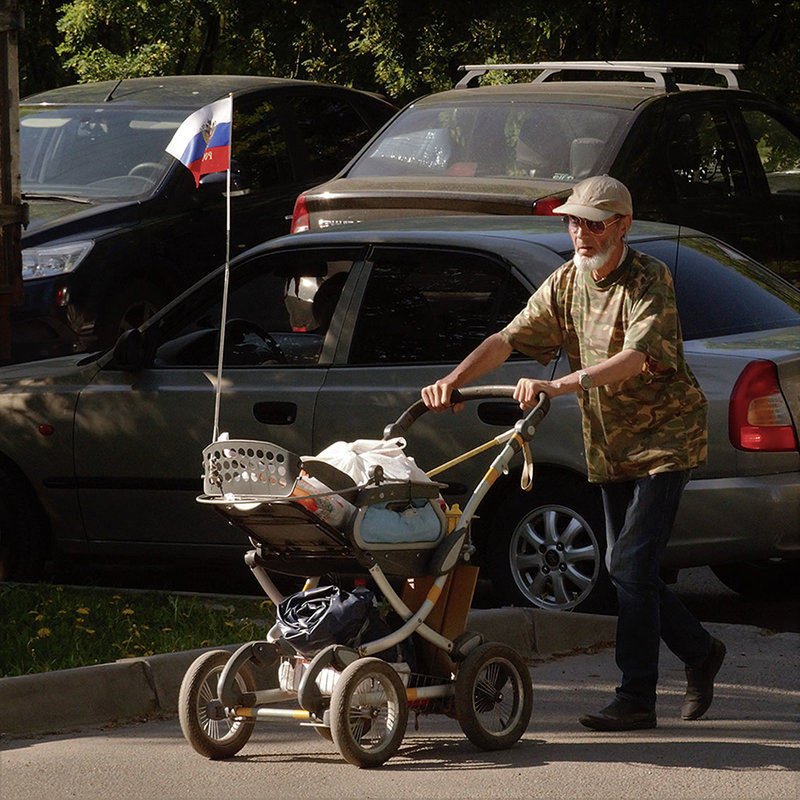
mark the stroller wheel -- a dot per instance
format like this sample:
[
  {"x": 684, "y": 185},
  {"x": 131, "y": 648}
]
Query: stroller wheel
[
  {"x": 368, "y": 712},
  {"x": 493, "y": 696},
  {"x": 211, "y": 737}
]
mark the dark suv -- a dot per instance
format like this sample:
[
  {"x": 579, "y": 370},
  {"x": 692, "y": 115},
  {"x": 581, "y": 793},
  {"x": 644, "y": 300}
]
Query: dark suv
[
  {"x": 721, "y": 159},
  {"x": 117, "y": 226}
]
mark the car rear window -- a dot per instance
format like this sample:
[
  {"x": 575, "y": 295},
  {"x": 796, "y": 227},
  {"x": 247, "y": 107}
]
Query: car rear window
[
  {"x": 721, "y": 292},
  {"x": 513, "y": 140}
]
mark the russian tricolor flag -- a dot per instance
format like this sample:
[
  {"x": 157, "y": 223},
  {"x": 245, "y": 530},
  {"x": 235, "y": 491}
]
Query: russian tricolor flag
[{"x": 203, "y": 141}]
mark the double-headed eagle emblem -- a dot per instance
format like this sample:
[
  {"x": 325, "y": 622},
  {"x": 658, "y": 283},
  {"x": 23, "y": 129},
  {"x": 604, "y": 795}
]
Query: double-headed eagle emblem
[{"x": 207, "y": 130}]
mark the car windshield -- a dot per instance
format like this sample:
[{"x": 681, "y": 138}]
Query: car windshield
[
  {"x": 94, "y": 152},
  {"x": 509, "y": 140}
]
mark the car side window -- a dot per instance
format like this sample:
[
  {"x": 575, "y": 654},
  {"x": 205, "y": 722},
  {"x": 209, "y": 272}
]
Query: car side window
[
  {"x": 331, "y": 130},
  {"x": 704, "y": 158},
  {"x": 278, "y": 313},
  {"x": 432, "y": 307},
  {"x": 260, "y": 149},
  {"x": 778, "y": 149},
  {"x": 746, "y": 296}
]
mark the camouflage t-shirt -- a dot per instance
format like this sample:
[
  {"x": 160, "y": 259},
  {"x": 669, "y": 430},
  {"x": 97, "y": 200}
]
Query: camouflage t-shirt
[{"x": 653, "y": 422}]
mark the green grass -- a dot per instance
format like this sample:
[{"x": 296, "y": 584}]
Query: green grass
[{"x": 47, "y": 627}]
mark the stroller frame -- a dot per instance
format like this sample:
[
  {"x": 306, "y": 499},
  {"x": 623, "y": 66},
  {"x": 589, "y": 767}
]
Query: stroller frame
[{"x": 345, "y": 693}]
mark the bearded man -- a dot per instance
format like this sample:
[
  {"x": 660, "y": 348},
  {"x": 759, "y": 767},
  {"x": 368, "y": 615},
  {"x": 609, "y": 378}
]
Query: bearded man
[{"x": 612, "y": 310}]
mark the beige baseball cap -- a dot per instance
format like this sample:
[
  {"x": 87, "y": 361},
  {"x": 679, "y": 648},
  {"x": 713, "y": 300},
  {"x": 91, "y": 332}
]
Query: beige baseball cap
[{"x": 598, "y": 198}]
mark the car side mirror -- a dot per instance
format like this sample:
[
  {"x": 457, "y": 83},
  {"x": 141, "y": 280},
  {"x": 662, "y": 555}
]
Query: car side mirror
[
  {"x": 216, "y": 182},
  {"x": 131, "y": 352}
]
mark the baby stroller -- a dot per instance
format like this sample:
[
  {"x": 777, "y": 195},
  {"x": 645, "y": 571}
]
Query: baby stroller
[{"x": 356, "y": 682}]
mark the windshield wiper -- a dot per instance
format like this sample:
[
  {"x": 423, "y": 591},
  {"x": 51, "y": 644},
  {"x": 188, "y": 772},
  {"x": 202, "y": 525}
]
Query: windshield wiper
[{"x": 43, "y": 196}]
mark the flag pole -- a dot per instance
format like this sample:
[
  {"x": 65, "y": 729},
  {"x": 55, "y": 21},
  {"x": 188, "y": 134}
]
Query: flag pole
[{"x": 224, "y": 318}]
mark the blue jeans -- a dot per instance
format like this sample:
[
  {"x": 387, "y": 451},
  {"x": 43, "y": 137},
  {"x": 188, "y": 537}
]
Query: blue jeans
[{"x": 639, "y": 518}]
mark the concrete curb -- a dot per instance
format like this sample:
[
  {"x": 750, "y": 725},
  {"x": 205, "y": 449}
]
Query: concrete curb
[{"x": 136, "y": 688}]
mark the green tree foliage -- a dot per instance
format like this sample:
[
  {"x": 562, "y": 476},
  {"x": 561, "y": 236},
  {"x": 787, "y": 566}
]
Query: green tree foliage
[
  {"x": 403, "y": 48},
  {"x": 131, "y": 38},
  {"x": 39, "y": 64}
]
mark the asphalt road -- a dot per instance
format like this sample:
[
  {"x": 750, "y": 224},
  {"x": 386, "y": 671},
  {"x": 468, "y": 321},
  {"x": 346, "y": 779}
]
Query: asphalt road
[
  {"x": 712, "y": 601},
  {"x": 745, "y": 748}
]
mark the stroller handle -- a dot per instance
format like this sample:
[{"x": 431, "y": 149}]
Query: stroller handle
[{"x": 417, "y": 409}]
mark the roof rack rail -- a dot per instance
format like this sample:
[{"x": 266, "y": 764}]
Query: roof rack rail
[{"x": 660, "y": 72}]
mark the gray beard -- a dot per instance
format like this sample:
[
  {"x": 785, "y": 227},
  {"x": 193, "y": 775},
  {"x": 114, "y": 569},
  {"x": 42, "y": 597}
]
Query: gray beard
[{"x": 590, "y": 263}]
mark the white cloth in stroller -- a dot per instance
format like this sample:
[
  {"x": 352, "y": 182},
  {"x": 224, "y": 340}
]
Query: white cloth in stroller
[
  {"x": 358, "y": 457},
  {"x": 386, "y": 524}
]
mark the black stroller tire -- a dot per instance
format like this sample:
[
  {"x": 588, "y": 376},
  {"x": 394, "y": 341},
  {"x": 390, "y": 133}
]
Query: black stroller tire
[
  {"x": 212, "y": 738},
  {"x": 368, "y": 712},
  {"x": 493, "y": 696}
]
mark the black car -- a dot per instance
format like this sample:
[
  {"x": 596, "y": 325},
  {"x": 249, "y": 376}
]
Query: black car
[
  {"x": 117, "y": 226},
  {"x": 715, "y": 158}
]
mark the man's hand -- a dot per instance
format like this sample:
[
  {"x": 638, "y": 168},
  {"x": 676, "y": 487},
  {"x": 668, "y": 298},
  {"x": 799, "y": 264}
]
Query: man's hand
[
  {"x": 527, "y": 391},
  {"x": 437, "y": 396}
]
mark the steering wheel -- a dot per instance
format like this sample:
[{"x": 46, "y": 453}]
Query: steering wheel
[
  {"x": 145, "y": 166},
  {"x": 246, "y": 342}
]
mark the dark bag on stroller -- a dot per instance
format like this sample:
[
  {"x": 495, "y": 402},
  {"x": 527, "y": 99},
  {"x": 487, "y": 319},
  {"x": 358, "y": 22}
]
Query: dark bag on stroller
[{"x": 315, "y": 618}]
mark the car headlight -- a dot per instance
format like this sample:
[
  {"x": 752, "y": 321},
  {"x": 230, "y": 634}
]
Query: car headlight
[{"x": 50, "y": 260}]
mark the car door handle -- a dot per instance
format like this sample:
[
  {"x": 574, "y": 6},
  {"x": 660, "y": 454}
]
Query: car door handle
[
  {"x": 275, "y": 412},
  {"x": 506, "y": 413}
]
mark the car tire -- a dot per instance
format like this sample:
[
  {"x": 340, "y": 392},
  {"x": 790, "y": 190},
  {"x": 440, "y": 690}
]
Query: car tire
[
  {"x": 23, "y": 541},
  {"x": 127, "y": 307},
  {"x": 546, "y": 548},
  {"x": 767, "y": 578}
]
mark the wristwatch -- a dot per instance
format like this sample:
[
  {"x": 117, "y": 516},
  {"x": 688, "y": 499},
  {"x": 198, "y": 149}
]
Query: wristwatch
[{"x": 585, "y": 380}]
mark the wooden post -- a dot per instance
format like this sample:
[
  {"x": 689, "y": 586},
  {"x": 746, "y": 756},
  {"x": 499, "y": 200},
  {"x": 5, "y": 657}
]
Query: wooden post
[{"x": 13, "y": 213}]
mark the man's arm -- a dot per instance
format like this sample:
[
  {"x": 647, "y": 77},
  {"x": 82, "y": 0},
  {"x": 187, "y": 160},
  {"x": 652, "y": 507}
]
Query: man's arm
[
  {"x": 625, "y": 364},
  {"x": 488, "y": 355}
]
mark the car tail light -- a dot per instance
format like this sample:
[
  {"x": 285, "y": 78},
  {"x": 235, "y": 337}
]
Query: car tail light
[
  {"x": 544, "y": 205},
  {"x": 300, "y": 219},
  {"x": 758, "y": 417}
]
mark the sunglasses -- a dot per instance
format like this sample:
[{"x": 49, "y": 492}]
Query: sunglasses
[{"x": 589, "y": 224}]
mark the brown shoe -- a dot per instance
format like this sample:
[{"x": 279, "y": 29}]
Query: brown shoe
[{"x": 700, "y": 682}]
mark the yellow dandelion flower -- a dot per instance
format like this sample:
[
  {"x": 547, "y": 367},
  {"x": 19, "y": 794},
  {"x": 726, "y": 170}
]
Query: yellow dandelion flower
[
  {"x": 43, "y": 633},
  {"x": 127, "y": 611},
  {"x": 90, "y": 631},
  {"x": 82, "y": 610},
  {"x": 39, "y": 617},
  {"x": 166, "y": 630}
]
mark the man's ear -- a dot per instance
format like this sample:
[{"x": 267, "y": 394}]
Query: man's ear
[{"x": 625, "y": 224}]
